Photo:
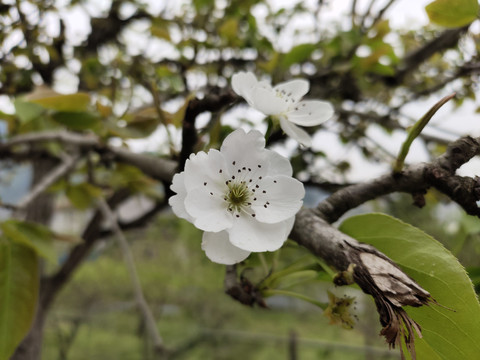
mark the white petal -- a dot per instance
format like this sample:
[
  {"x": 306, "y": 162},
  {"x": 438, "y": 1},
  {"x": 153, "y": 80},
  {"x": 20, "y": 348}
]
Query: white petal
[
  {"x": 208, "y": 211},
  {"x": 243, "y": 84},
  {"x": 267, "y": 101},
  {"x": 248, "y": 151},
  {"x": 177, "y": 202},
  {"x": 204, "y": 168},
  {"x": 277, "y": 164},
  {"x": 219, "y": 249},
  {"x": 278, "y": 198},
  {"x": 245, "y": 152},
  {"x": 295, "y": 132},
  {"x": 238, "y": 140},
  {"x": 294, "y": 89},
  {"x": 251, "y": 235},
  {"x": 310, "y": 113}
]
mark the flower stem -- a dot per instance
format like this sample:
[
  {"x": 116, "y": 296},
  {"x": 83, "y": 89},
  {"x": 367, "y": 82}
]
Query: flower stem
[
  {"x": 416, "y": 130},
  {"x": 326, "y": 268},
  {"x": 264, "y": 263},
  {"x": 271, "y": 292}
]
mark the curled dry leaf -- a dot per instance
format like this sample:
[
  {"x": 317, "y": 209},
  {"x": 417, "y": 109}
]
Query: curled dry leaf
[{"x": 392, "y": 289}]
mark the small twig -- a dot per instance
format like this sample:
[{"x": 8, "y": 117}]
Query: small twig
[
  {"x": 353, "y": 12},
  {"x": 381, "y": 12},
  {"x": 367, "y": 13},
  {"x": 137, "y": 288},
  {"x": 9, "y": 206},
  {"x": 66, "y": 166}
]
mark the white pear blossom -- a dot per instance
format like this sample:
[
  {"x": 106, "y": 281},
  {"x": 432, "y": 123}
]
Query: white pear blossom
[
  {"x": 244, "y": 197},
  {"x": 284, "y": 103}
]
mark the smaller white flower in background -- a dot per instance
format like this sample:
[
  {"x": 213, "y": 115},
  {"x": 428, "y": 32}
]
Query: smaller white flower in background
[
  {"x": 284, "y": 103},
  {"x": 244, "y": 197}
]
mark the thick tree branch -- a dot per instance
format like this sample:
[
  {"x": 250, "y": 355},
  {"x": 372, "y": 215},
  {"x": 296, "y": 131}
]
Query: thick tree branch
[
  {"x": 212, "y": 103},
  {"x": 391, "y": 288},
  {"x": 158, "y": 168},
  {"x": 439, "y": 174}
]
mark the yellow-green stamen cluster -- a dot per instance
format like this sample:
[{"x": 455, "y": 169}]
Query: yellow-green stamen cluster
[{"x": 238, "y": 196}]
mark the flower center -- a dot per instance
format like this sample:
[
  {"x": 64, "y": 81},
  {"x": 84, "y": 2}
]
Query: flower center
[{"x": 238, "y": 195}]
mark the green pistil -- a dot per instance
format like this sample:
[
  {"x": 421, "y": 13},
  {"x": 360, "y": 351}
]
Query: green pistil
[{"x": 238, "y": 195}]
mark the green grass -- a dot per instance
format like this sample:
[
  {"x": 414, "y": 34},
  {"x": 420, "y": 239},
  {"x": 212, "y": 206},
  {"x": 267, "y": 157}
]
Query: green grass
[{"x": 185, "y": 292}]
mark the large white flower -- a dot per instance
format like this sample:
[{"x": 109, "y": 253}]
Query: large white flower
[
  {"x": 284, "y": 103},
  {"x": 244, "y": 197}
]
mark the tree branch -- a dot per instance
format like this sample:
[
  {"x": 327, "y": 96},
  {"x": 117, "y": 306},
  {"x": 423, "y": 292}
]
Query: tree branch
[
  {"x": 439, "y": 174},
  {"x": 211, "y": 102},
  {"x": 61, "y": 170},
  {"x": 54, "y": 283},
  {"x": 158, "y": 168},
  {"x": 446, "y": 40}
]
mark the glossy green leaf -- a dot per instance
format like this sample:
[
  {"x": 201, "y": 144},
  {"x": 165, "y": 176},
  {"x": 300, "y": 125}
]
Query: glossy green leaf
[
  {"x": 76, "y": 120},
  {"x": 452, "y": 13},
  {"x": 447, "y": 334},
  {"x": 19, "y": 281},
  {"x": 35, "y": 236},
  {"x": 71, "y": 102}
]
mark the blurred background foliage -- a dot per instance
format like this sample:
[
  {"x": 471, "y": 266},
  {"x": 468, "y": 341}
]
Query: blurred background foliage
[{"x": 136, "y": 73}]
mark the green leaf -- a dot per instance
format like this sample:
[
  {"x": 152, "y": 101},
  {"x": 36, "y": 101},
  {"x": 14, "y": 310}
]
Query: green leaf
[
  {"x": 83, "y": 195},
  {"x": 35, "y": 236},
  {"x": 76, "y": 120},
  {"x": 19, "y": 282},
  {"x": 447, "y": 334},
  {"x": 72, "y": 102},
  {"x": 452, "y": 13},
  {"x": 298, "y": 54},
  {"x": 160, "y": 32},
  {"x": 27, "y": 111},
  {"x": 229, "y": 30}
]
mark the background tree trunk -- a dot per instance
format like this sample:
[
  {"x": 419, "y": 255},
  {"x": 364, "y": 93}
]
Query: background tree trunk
[{"x": 40, "y": 211}]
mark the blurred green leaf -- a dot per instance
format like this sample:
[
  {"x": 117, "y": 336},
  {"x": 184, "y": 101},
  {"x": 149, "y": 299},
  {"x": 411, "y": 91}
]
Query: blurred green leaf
[
  {"x": 160, "y": 32},
  {"x": 35, "y": 236},
  {"x": 229, "y": 30},
  {"x": 19, "y": 282},
  {"x": 447, "y": 334},
  {"x": 27, "y": 111},
  {"x": 68, "y": 103},
  {"x": 202, "y": 4},
  {"x": 83, "y": 195},
  {"x": 452, "y": 13},
  {"x": 298, "y": 54},
  {"x": 76, "y": 120}
]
